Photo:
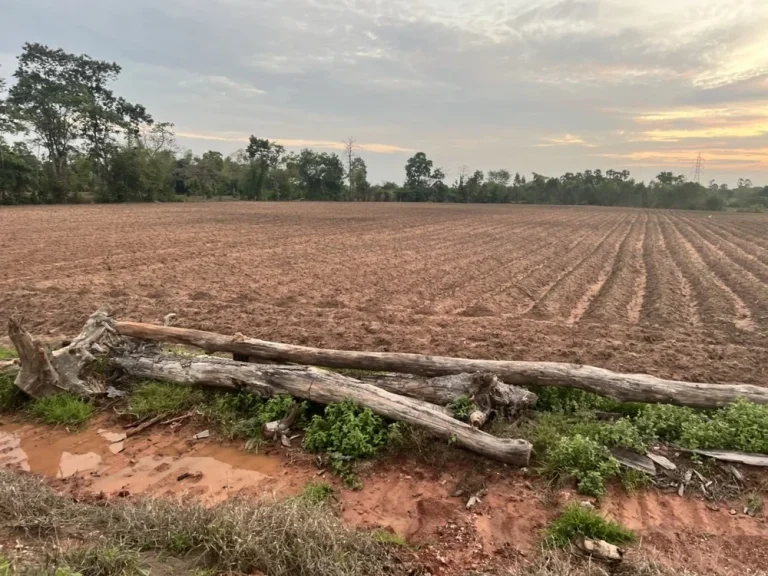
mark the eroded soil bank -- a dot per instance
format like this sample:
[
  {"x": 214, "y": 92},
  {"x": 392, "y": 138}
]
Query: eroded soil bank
[{"x": 423, "y": 503}]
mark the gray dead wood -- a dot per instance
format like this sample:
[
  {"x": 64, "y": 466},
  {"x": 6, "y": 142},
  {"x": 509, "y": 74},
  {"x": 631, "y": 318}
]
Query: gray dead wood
[
  {"x": 324, "y": 387},
  {"x": 635, "y": 461},
  {"x": 621, "y": 387},
  {"x": 43, "y": 372},
  {"x": 733, "y": 456}
]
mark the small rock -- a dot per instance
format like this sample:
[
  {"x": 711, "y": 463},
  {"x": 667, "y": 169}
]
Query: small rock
[
  {"x": 472, "y": 502},
  {"x": 681, "y": 489},
  {"x": 600, "y": 549},
  {"x": 688, "y": 475},
  {"x": 733, "y": 512},
  {"x": 201, "y": 435},
  {"x": 587, "y": 504}
]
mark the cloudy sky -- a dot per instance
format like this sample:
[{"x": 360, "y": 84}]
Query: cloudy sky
[{"x": 529, "y": 85}]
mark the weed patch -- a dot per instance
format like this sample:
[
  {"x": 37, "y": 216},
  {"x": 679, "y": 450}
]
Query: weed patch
[
  {"x": 242, "y": 414},
  {"x": 347, "y": 432},
  {"x": 577, "y": 519},
  {"x": 462, "y": 407},
  {"x": 155, "y": 398},
  {"x": 63, "y": 409},
  {"x": 584, "y": 459}
]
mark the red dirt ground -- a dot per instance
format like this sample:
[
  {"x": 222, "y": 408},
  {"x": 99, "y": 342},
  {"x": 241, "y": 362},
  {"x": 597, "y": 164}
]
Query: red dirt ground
[
  {"x": 674, "y": 294},
  {"x": 405, "y": 496}
]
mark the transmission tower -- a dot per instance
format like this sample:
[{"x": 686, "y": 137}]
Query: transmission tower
[{"x": 697, "y": 169}]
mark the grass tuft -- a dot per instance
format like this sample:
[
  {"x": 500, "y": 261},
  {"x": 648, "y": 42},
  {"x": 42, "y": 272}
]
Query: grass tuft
[
  {"x": 462, "y": 407},
  {"x": 102, "y": 560},
  {"x": 8, "y": 353},
  {"x": 12, "y": 398},
  {"x": 154, "y": 398},
  {"x": 393, "y": 538},
  {"x": 63, "y": 409},
  {"x": 577, "y": 519},
  {"x": 317, "y": 492}
]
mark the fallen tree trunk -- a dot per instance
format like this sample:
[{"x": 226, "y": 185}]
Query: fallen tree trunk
[
  {"x": 485, "y": 389},
  {"x": 43, "y": 372},
  {"x": 621, "y": 387},
  {"x": 324, "y": 387}
]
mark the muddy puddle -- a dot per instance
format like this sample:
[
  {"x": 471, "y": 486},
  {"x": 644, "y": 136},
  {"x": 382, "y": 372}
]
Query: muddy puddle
[{"x": 104, "y": 460}]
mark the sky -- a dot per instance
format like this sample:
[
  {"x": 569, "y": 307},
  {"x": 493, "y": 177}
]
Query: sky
[{"x": 526, "y": 85}]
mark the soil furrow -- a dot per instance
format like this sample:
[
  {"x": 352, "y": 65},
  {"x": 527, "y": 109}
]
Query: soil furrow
[
  {"x": 611, "y": 304},
  {"x": 669, "y": 298},
  {"x": 718, "y": 302}
]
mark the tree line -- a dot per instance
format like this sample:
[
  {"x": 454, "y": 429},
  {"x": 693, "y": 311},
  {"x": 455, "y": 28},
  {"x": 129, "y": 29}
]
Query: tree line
[{"x": 66, "y": 137}]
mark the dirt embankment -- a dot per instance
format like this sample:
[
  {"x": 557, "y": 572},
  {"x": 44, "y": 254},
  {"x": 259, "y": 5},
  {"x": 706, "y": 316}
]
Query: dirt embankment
[{"x": 424, "y": 504}]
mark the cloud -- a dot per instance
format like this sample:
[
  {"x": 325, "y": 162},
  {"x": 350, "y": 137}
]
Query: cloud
[
  {"x": 565, "y": 140},
  {"x": 301, "y": 143}
]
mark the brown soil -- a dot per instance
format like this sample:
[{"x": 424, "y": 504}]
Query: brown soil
[{"x": 674, "y": 294}]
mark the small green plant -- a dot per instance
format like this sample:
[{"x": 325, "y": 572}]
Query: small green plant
[
  {"x": 583, "y": 458},
  {"x": 577, "y": 519},
  {"x": 180, "y": 542},
  {"x": 12, "y": 398},
  {"x": 346, "y": 432},
  {"x": 462, "y": 407},
  {"x": 7, "y": 353},
  {"x": 155, "y": 398},
  {"x": 754, "y": 504},
  {"x": 6, "y": 568},
  {"x": 64, "y": 409},
  {"x": 317, "y": 492}
]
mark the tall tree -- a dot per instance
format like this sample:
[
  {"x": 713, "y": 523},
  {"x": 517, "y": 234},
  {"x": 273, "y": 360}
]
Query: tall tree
[
  {"x": 63, "y": 99},
  {"x": 263, "y": 155},
  {"x": 350, "y": 145}
]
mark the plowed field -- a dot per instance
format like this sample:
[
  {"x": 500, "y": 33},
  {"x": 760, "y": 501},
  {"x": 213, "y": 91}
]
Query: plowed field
[{"x": 675, "y": 294}]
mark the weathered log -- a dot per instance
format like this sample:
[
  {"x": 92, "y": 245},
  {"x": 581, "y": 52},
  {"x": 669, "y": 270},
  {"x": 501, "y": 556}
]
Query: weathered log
[
  {"x": 43, "y": 372},
  {"x": 621, "y": 387},
  {"x": 320, "y": 386},
  {"x": 485, "y": 389}
]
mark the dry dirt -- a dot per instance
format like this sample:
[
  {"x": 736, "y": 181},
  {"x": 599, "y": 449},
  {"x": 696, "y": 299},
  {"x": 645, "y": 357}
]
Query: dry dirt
[
  {"x": 405, "y": 496},
  {"x": 675, "y": 294}
]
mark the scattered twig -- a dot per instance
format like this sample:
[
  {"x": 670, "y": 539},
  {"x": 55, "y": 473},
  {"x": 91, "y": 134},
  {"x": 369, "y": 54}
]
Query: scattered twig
[
  {"x": 145, "y": 425},
  {"x": 178, "y": 418},
  {"x": 135, "y": 424}
]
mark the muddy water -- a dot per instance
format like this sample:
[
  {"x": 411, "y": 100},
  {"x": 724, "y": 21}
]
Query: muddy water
[{"x": 106, "y": 461}]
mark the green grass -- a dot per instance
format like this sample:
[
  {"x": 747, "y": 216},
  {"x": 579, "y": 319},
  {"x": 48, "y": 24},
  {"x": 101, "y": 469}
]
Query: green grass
[
  {"x": 317, "y": 492},
  {"x": 387, "y": 537},
  {"x": 8, "y": 353},
  {"x": 577, "y": 519},
  {"x": 154, "y": 398},
  {"x": 105, "y": 559},
  {"x": 12, "y": 398},
  {"x": 63, "y": 409}
]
